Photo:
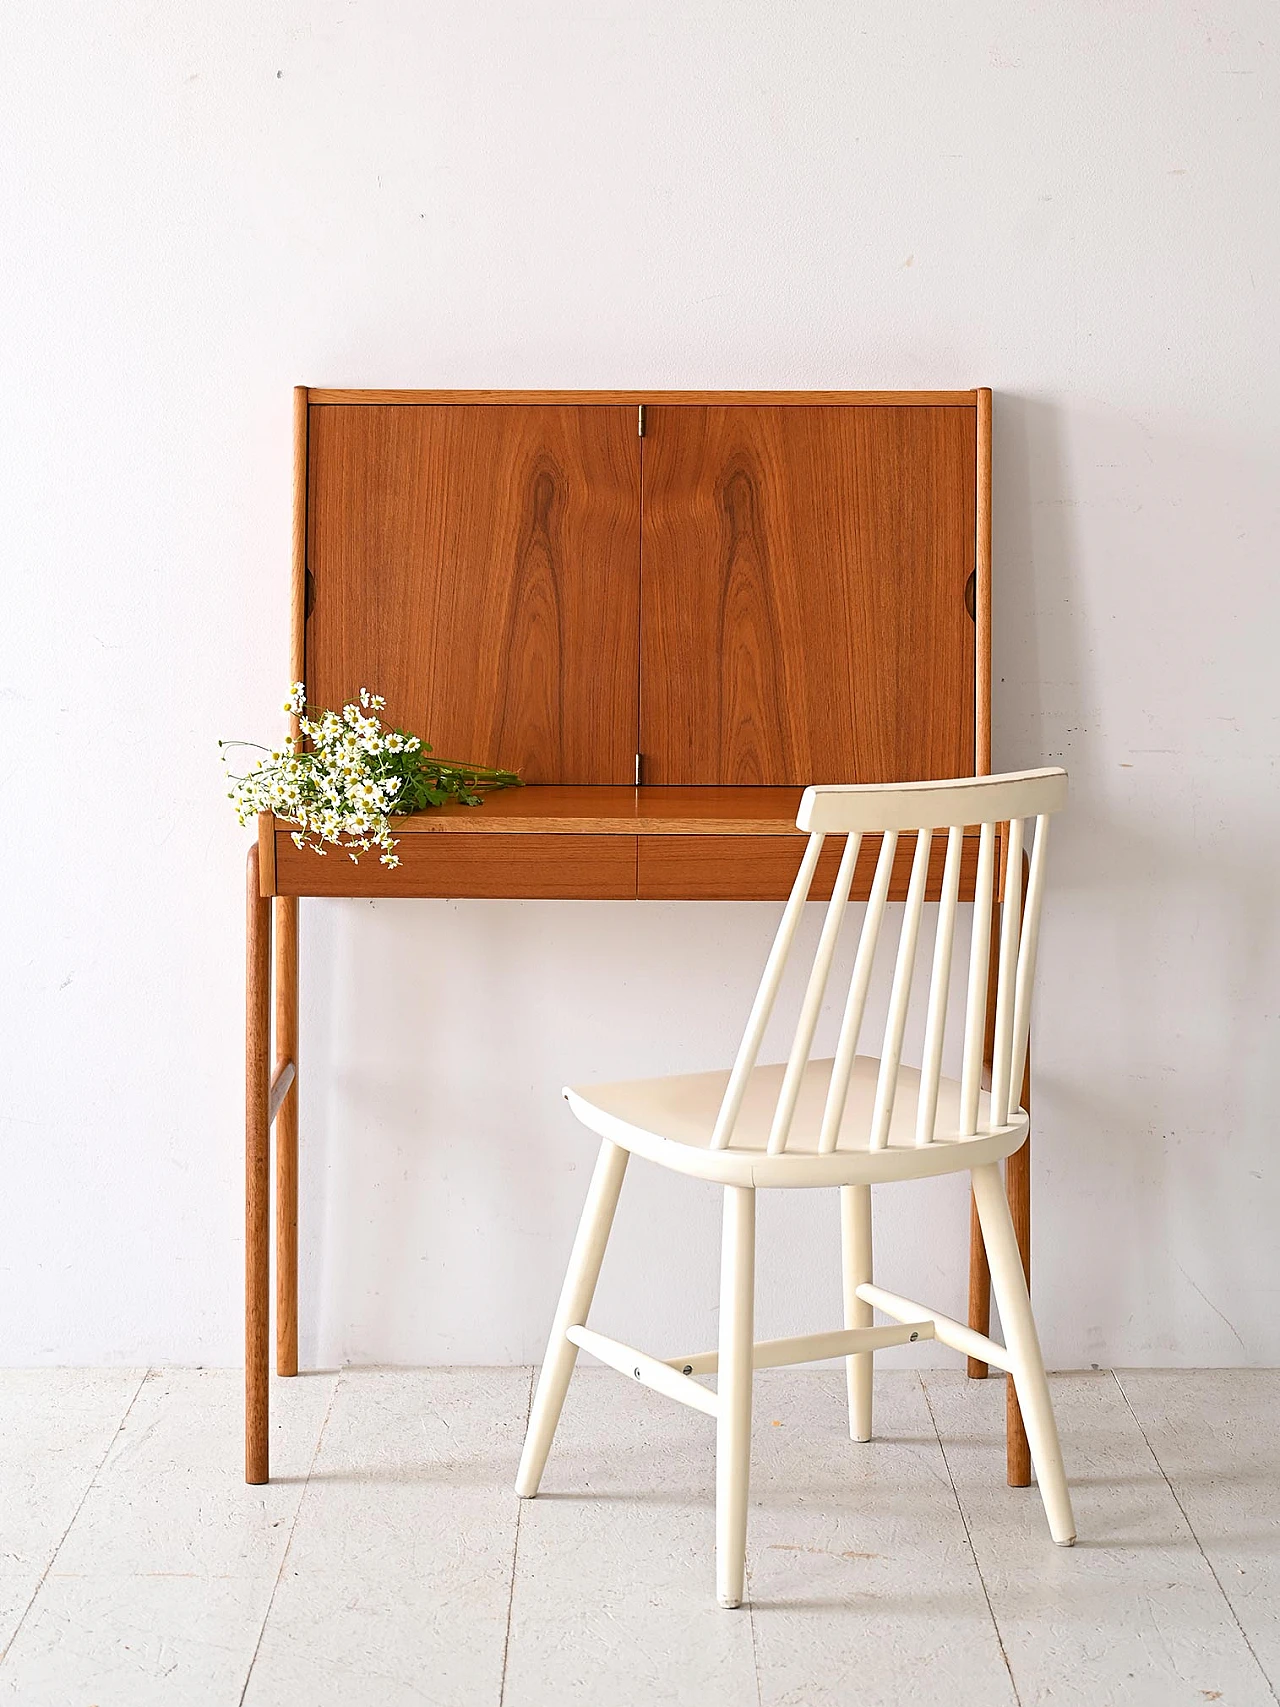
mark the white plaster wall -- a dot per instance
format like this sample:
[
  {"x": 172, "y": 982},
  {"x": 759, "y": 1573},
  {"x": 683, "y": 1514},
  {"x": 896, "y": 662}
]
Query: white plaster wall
[{"x": 204, "y": 203}]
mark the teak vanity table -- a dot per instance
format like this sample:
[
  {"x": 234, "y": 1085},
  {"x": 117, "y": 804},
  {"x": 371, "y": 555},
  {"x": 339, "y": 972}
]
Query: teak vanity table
[{"x": 670, "y": 611}]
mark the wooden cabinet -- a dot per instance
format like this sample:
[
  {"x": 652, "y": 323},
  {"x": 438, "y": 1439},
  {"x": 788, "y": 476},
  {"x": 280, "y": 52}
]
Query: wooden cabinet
[
  {"x": 751, "y": 591},
  {"x": 755, "y": 590}
]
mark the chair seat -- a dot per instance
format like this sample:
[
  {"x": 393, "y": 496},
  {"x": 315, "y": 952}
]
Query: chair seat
[{"x": 670, "y": 1121}]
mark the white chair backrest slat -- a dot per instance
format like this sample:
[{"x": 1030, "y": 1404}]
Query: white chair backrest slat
[
  {"x": 855, "y": 1006},
  {"x": 939, "y": 988},
  {"x": 811, "y": 1007},
  {"x": 766, "y": 995},
  {"x": 854, "y": 812},
  {"x": 900, "y": 996},
  {"x": 975, "y": 1012},
  {"x": 1027, "y": 949},
  {"x": 1010, "y": 930}
]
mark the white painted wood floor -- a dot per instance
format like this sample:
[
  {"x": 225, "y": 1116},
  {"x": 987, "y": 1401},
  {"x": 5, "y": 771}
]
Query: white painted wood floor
[{"x": 390, "y": 1563}]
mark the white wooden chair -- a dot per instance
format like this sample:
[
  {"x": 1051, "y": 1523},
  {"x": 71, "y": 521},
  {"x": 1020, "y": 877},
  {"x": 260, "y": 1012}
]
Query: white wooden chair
[{"x": 854, "y": 1121}]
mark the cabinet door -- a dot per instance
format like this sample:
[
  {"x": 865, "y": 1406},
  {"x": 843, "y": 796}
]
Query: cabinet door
[
  {"x": 479, "y": 565},
  {"x": 803, "y": 614}
]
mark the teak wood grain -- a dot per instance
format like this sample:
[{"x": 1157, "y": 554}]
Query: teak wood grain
[
  {"x": 285, "y": 920},
  {"x": 257, "y": 1176},
  {"x": 522, "y": 867},
  {"x": 480, "y": 568},
  {"x": 328, "y": 396},
  {"x": 654, "y": 851},
  {"x": 628, "y": 811},
  {"x": 756, "y": 868},
  {"x": 298, "y": 567},
  {"x": 803, "y": 614},
  {"x": 982, "y": 590}
]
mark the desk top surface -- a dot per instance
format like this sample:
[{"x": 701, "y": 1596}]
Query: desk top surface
[{"x": 549, "y": 809}]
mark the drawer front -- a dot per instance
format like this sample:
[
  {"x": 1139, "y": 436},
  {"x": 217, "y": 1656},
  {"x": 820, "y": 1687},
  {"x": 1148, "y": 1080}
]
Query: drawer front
[
  {"x": 726, "y": 868},
  {"x": 470, "y": 866},
  {"x": 763, "y": 868}
]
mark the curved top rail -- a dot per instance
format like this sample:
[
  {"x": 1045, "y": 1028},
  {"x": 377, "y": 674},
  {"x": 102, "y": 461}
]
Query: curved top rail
[{"x": 844, "y": 808}]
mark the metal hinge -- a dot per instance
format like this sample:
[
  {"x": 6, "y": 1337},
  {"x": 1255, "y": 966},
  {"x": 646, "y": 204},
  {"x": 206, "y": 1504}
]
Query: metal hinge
[
  {"x": 640, "y": 419},
  {"x": 637, "y": 770}
]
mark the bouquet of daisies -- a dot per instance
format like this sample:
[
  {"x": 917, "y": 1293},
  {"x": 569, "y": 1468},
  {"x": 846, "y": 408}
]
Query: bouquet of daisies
[{"x": 343, "y": 776}]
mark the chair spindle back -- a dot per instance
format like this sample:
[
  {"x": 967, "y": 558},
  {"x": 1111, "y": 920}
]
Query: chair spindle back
[{"x": 1000, "y": 808}]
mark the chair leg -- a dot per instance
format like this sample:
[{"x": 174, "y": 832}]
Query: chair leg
[
  {"x": 855, "y": 1251},
  {"x": 575, "y": 1301},
  {"x": 1014, "y": 1303},
  {"x": 733, "y": 1427},
  {"x": 979, "y": 1293}
]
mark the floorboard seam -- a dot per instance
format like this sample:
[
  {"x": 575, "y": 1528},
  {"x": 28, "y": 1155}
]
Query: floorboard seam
[
  {"x": 284, "y": 1557},
  {"x": 515, "y": 1554},
  {"x": 973, "y": 1551},
  {"x": 755, "y": 1651},
  {"x": 89, "y": 1487},
  {"x": 1192, "y": 1531}
]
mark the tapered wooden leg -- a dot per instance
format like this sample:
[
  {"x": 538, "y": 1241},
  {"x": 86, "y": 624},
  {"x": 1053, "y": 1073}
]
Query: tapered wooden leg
[
  {"x": 733, "y": 1425},
  {"x": 257, "y": 1195},
  {"x": 855, "y": 1250},
  {"x": 286, "y": 947},
  {"x": 1017, "y": 1184},
  {"x": 575, "y": 1302},
  {"x": 1009, "y": 1281}
]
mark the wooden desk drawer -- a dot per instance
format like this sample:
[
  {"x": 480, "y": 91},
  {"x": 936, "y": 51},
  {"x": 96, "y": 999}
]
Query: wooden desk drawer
[
  {"x": 726, "y": 868},
  {"x": 478, "y": 866},
  {"x": 763, "y": 868}
]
